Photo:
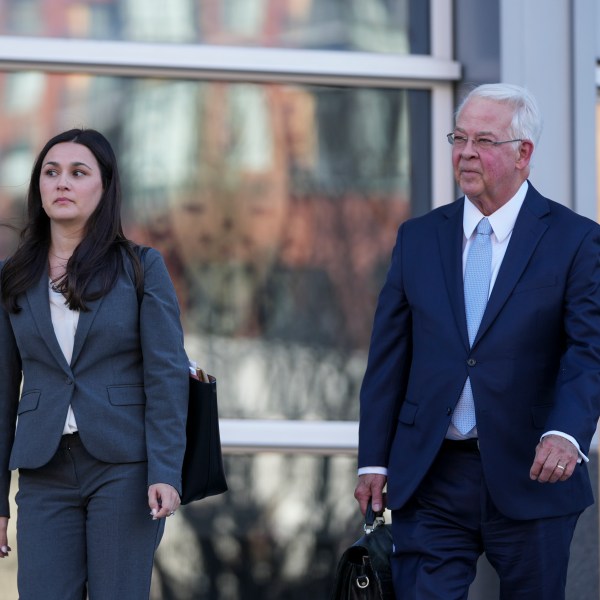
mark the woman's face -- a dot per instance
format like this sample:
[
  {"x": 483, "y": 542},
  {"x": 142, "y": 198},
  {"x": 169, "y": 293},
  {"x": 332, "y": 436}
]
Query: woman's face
[{"x": 70, "y": 184}]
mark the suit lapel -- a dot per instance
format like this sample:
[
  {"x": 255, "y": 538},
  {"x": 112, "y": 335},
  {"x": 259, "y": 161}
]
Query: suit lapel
[
  {"x": 450, "y": 237},
  {"x": 525, "y": 237},
  {"x": 39, "y": 305},
  {"x": 83, "y": 327}
]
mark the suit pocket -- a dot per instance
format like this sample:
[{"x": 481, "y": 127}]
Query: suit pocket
[
  {"x": 126, "y": 395},
  {"x": 535, "y": 284},
  {"x": 29, "y": 401}
]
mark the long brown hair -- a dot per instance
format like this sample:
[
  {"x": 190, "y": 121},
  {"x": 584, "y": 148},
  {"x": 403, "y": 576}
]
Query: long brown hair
[{"x": 98, "y": 256}]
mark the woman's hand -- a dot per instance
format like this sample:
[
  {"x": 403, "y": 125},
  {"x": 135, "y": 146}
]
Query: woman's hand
[
  {"x": 4, "y": 547},
  {"x": 163, "y": 500}
]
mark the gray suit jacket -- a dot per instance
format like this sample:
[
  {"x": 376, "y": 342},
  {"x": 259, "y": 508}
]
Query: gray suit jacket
[{"x": 127, "y": 381}]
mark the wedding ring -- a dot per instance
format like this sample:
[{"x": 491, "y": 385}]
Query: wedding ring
[
  {"x": 173, "y": 512},
  {"x": 560, "y": 467}
]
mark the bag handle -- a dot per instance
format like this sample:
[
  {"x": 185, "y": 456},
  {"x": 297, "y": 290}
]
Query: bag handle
[{"x": 373, "y": 520}]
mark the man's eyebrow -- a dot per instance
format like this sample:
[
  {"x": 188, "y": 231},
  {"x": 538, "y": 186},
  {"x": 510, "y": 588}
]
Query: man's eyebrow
[{"x": 477, "y": 132}]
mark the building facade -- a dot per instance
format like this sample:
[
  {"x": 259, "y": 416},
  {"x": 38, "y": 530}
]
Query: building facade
[{"x": 270, "y": 149}]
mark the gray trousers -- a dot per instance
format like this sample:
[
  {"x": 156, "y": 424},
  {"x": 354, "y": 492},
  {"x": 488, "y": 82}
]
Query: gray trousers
[{"x": 84, "y": 528}]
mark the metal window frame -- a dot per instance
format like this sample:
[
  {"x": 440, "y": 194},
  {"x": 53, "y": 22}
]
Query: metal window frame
[
  {"x": 243, "y": 436},
  {"x": 436, "y": 72}
]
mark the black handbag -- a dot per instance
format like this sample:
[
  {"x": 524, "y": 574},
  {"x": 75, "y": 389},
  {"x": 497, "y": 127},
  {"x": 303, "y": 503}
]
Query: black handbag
[
  {"x": 203, "y": 473},
  {"x": 364, "y": 571}
]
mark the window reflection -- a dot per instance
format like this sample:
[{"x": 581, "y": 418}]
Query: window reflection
[
  {"x": 366, "y": 25},
  {"x": 277, "y": 534},
  {"x": 276, "y": 208}
]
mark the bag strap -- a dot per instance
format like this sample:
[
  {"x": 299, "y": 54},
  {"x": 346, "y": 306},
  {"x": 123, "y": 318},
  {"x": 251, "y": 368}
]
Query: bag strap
[{"x": 141, "y": 252}]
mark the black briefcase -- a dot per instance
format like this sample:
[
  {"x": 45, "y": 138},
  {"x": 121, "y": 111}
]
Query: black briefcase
[{"x": 364, "y": 571}]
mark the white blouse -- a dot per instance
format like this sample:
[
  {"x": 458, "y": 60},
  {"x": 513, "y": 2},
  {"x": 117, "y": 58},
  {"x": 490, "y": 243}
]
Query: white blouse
[{"x": 64, "y": 321}]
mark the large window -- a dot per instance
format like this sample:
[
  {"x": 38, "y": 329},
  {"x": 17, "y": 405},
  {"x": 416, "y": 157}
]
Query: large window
[
  {"x": 275, "y": 206},
  {"x": 269, "y": 149}
]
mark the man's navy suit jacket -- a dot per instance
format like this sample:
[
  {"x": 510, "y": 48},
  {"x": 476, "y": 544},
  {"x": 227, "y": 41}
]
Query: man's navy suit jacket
[
  {"x": 127, "y": 380},
  {"x": 534, "y": 365}
]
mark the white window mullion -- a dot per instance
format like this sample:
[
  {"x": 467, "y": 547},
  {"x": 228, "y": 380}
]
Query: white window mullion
[
  {"x": 270, "y": 435},
  {"x": 224, "y": 62}
]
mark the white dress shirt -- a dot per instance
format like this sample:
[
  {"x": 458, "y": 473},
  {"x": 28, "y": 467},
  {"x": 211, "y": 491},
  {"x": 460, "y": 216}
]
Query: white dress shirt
[
  {"x": 64, "y": 321},
  {"x": 503, "y": 222}
]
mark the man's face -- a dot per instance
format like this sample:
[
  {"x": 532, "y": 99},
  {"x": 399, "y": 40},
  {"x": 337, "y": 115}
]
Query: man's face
[{"x": 490, "y": 176}]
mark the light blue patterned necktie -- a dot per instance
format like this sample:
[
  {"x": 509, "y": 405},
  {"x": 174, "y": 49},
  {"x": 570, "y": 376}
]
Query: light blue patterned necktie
[{"x": 478, "y": 273}]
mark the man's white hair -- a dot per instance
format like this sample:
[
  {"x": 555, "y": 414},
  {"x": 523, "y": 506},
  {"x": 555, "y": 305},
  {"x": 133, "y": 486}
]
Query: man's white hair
[{"x": 527, "y": 119}]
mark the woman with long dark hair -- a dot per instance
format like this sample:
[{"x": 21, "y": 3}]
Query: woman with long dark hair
[{"x": 93, "y": 385}]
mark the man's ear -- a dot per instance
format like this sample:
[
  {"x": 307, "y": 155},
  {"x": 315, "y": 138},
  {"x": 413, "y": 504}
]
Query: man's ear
[{"x": 525, "y": 152}]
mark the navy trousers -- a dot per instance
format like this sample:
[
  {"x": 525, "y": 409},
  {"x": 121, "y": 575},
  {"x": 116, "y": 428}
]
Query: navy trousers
[
  {"x": 84, "y": 528},
  {"x": 451, "y": 520}
]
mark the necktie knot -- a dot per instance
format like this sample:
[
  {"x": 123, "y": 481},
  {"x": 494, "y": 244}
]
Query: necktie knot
[{"x": 484, "y": 227}]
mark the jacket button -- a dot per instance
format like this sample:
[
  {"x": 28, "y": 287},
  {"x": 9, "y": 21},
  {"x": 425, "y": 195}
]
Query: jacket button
[
  {"x": 471, "y": 362},
  {"x": 449, "y": 410},
  {"x": 69, "y": 381}
]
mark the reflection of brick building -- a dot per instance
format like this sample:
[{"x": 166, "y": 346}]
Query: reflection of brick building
[
  {"x": 257, "y": 217},
  {"x": 259, "y": 204},
  {"x": 276, "y": 206},
  {"x": 291, "y": 261},
  {"x": 271, "y": 234},
  {"x": 36, "y": 106}
]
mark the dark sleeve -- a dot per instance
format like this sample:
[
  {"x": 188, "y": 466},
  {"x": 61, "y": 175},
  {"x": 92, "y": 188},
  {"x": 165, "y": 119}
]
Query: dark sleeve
[
  {"x": 166, "y": 379},
  {"x": 10, "y": 383},
  {"x": 577, "y": 401},
  {"x": 388, "y": 364}
]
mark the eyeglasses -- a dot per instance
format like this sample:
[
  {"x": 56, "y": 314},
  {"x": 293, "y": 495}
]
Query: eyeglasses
[{"x": 483, "y": 143}]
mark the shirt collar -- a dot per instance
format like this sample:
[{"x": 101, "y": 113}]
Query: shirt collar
[{"x": 502, "y": 221}]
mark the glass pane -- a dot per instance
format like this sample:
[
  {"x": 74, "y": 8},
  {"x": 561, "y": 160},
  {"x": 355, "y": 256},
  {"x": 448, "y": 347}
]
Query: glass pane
[
  {"x": 277, "y": 534},
  {"x": 401, "y": 26},
  {"x": 276, "y": 208}
]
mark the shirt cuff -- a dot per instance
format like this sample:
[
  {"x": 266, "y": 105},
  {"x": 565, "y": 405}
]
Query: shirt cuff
[
  {"x": 573, "y": 441},
  {"x": 373, "y": 471}
]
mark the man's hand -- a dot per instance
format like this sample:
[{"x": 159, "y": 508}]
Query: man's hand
[
  {"x": 370, "y": 486},
  {"x": 4, "y": 547},
  {"x": 163, "y": 500},
  {"x": 555, "y": 460}
]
